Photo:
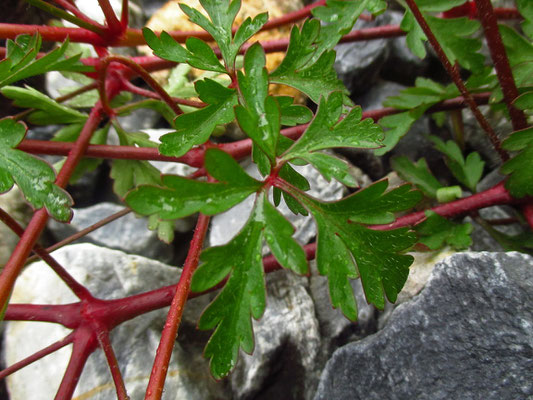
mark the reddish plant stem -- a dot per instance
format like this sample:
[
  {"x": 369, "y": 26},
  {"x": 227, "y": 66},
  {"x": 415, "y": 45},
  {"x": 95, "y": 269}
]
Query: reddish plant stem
[
  {"x": 112, "y": 22},
  {"x": 134, "y": 37},
  {"x": 74, "y": 93},
  {"x": 125, "y": 16},
  {"x": 292, "y": 17},
  {"x": 84, "y": 344},
  {"x": 130, "y": 87},
  {"x": 67, "y": 315},
  {"x": 79, "y": 290},
  {"x": 145, "y": 76},
  {"x": 37, "y": 355},
  {"x": 105, "y": 344},
  {"x": 75, "y": 11},
  {"x": 170, "y": 331},
  {"x": 195, "y": 156},
  {"x": 453, "y": 71},
  {"x": 501, "y": 62},
  {"x": 38, "y": 221},
  {"x": 52, "y": 33},
  {"x": 82, "y": 233},
  {"x": 527, "y": 210}
]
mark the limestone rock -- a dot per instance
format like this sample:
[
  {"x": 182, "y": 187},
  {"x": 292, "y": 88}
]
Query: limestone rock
[{"x": 467, "y": 335}]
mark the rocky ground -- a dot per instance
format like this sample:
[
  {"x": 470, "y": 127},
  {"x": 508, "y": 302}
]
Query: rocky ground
[{"x": 462, "y": 328}]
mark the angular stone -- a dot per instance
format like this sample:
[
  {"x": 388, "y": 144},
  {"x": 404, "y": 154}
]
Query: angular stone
[
  {"x": 358, "y": 64},
  {"x": 108, "y": 274},
  {"x": 128, "y": 233},
  {"x": 466, "y": 336}
]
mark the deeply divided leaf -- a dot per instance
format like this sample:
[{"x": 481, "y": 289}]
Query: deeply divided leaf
[
  {"x": 436, "y": 231},
  {"x": 520, "y": 181},
  {"x": 243, "y": 295}
]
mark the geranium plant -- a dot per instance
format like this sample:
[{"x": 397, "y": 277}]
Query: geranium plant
[{"x": 357, "y": 236}]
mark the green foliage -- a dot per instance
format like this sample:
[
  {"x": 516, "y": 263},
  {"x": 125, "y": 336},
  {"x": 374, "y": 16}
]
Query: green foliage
[
  {"x": 436, "y": 231},
  {"x": 33, "y": 176},
  {"x": 304, "y": 68},
  {"x": 520, "y": 181},
  {"x": 418, "y": 174},
  {"x": 243, "y": 294},
  {"x": 467, "y": 171},
  {"x": 195, "y": 127},
  {"x": 21, "y": 60},
  {"x": 377, "y": 254},
  {"x": 48, "y": 111}
]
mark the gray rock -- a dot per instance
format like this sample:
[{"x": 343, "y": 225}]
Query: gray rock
[
  {"x": 358, "y": 64},
  {"x": 287, "y": 343},
  {"x": 107, "y": 274},
  {"x": 334, "y": 326},
  {"x": 128, "y": 233},
  {"x": 466, "y": 336}
]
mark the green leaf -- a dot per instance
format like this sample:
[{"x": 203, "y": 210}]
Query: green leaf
[
  {"x": 468, "y": 171},
  {"x": 338, "y": 18},
  {"x": 326, "y": 131},
  {"x": 49, "y": 110},
  {"x": 179, "y": 197},
  {"x": 417, "y": 173},
  {"x": 425, "y": 93},
  {"x": 259, "y": 114},
  {"x": 453, "y": 34},
  {"x": 198, "y": 53},
  {"x": 298, "y": 68},
  {"x": 449, "y": 193},
  {"x": 243, "y": 295},
  {"x": 33, "y": 176},
  {"x": 278, "y": 234},
  {"x": 290, "y": 175},
  {"x": 399, "y": 125},
  {"x": 438, "y": 5},
  {"x": 21, "y": 63},
  {"x": 526, "y": 10},
  {"x": 520, "y": 181},
  {"x": 293, "y": 114},
  {"x": 195, "y": 127},
  {"x": 436, "y": 231},
  {"x": 222, "y": 14},
  {"x": 377, "y": 254}
]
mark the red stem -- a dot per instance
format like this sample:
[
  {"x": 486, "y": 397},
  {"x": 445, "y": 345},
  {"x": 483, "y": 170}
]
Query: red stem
[
  {"x": 79, "y": 290},
  {"x": 144, "y": 75},
  {"x": 453, "y": 72},
  {"x": 501, "y": 62},
  {"x": 38, "y": 221},
  {"x": 84, "y": 344},
  {"x": 170, "y": 331},
  {"x": 130, "y": 87},
  {"x": 76, "y": 12},
  {"x": 528, "y": 214},
  {"x": 195, "y": 156},
  {"x": 105, "y": 344},
  {"x": 37, "y": 355},
  {"x": 83, "y": 232},
  {"x": 112, "y": 22}
]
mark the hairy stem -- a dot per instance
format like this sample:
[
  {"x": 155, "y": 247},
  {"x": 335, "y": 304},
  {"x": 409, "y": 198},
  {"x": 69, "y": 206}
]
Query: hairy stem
[
  {"x": 105, "y": 344},
  {"x": 501, "y": 62},
  {"x": 453, "y": 71}
]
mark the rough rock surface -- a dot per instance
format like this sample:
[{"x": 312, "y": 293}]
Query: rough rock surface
[
  {"x": 112, "y": 274},
  {"x": 128, "y": 233},
  {"x": 467, "y": 335}
]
